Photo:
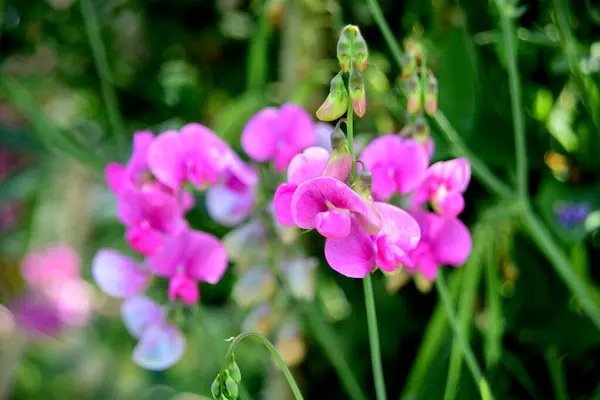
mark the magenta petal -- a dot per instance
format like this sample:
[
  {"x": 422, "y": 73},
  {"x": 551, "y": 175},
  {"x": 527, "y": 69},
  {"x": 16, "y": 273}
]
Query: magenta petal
[
  {"x": 334, "y": 223},
  {"x": 140, "y": 312},
  {"x": 160, "y": 347},
  {"x": 454, "y": 174},
  {"x": 413, "y": 162},
  {"x": 307, "y": 165},
  {"x": 339, "y": 166},
  {"x": 138, "y": 163},
  {"x": 114, "y": 174},
  {"x": 401, "y": 228},
  {"x": 298, "y": 126},
  {"x": 384, "y": 185},
  {"x": 452, "y": 244},
  {"x": 319, "y": 195},
  {"x": 170, "y": 256},
  {"x": 261, "y": 134},
  {"x": 229, "y": 207},
  {"x": 370, "y": 221},
  {"x": 117, "y": 275},
  {"x": 207, "y": 259},
  {"x": 184, "y": 288},
  {"x": 449, "y": 205},
  {"x": 282, "y": 203},
  {"x": 352, "y": 256},
  {"x": 428, "y": 267},
  {"x": 166, "y": 159},
  {"x": 143, "y": 239}
]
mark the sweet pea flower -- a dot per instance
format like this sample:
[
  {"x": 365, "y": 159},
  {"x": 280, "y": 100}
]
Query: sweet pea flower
[
  {"x": 397, "y": 165},
  {"x": 119, "y": 276},
  {"x": 278, "y": 134},
  {"x": 443, "y": 185},
  {"x": 357, "y": 254},
  {"x": 148, "y": 215},
  {"x": 186, "y": 258},
  {"x": 233, "y": 199},
  {"x": 135, "y": 172},
  {"x": 444, "y": 241},
  {"x": 195, "y": 154},
  {"x": 160, "y": 345},
  {"x": 328, "y": 205}
]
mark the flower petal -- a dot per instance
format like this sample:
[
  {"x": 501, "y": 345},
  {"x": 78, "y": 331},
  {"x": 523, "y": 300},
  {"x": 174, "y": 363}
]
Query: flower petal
[
  {"x": 139, "y": 313},
  {"x": 401, "y": 228},
  {"x": 455, "y": 174},
  {"x": 452, "y": 244},
  {"x": 206, "y": 257},
  {"x": 171, "y": 255},
  {"x": 352, "y": 256},
  {"x": 160, "y": 347},
  {"x": 282, "y": 203},
  {"x": 118, "y": 275},
  {"x": 412, "y": 162},
  {"x": 184, "y": 288},
  {"x": 298, "y": 126},
  {"x": 308, "y": 164},
  {"x": 334, "y": 223},
  {"x": 143, "y": 239},
  {"x": 261, "y": 134},
  {"x": 166, "y": 159},
  {"x": 229, "y": 207},
  {"x": 114, "y": 174},
  {"x": 450, "y": 204},
  {"x": 138, "y": 163}
]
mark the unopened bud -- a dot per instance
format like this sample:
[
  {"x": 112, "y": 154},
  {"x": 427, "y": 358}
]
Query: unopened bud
[
  {"x": 431, "y": 94},
  {"x": 234, "y": 371},
  {"x": 414, "y": 95},
  {"x": 421, "y": 128},
  {"x": 344, "y": 48},
  {"x": 337, "y": 101},
  {"x": 352, "y": 49},
  {"x": 232, "y": 388},
  {"x": 410, "y": 65},
  {"x": 362, "y": 184},
  {"x": 215, "y": 388},
  {"x": 356, "y": 86},
  {"x": 361, "y": 52},
  {"x": 340, "y": 160}
]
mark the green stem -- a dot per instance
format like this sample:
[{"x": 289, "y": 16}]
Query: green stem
[
  {"x": 256, "y": 77},
  {"x": 556, "y": 374},
  {"x": 467, "y": 300},
  {"x": 495, "y": 328},
  {"x": 478, "y": 377},
  {"x": 374, "y": 339},
  {"x": 539, "y": 233},
  {"x": 350, "y": 134},
  {"x": 265, "y": 342},
  {"x": 514, "y": 84},
  {"x": 329, "y": 344},
  {"x": 106, "y": 81},
  {"x": 459, "y": 148}
]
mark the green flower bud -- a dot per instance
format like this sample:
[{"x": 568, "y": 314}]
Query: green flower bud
[
  {"x": 410, "y": 65},
  {"x": 232, "y": 388},
  {"x": 431, "y": 94},
  {"x": 421, "y": 128},
  {"x": 215, "y": 388},
  {"x": 234, "y": 371},
  {"x": 340, "y": 161},
  {"x": 361, "y": 52},
  {"x": 352, "y": 49},
  {"x": 414, "y": 95},
  {"x": 337, "y": 101},
  {"x": 357, "y": 92},
  {"x": 344, "y": 45},
  {"x": 362, "y": 184}
]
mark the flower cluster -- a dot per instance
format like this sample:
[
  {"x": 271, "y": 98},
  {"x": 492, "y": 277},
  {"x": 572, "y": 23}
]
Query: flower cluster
[{"x": 56, "y": 297}]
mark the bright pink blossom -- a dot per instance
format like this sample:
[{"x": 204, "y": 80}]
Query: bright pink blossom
[
  {"x": 135, "y": 172},
  {"x": 443, "y": 185},
  {"x": 118, "y": 275},
  {"x": 278, "y": 134},
  {"x": 188, "y": 257},
  {"x": 444, "y": 241},
  {"x": 396, "y": 164},
  {"x": 357, "y": 254}
]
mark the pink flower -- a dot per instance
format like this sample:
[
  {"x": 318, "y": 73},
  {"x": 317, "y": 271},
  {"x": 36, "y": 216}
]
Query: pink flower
[
  {"x": 119, "y": 276},
  {"x": 397, "y": 165},
  {"x": 278, "y": 134},
  {"x": 136, "y": 171},
  {"x": 233, "y": 199},
  {"x": 194, "y": 154},
  {"x": 357, "y": 254},
  {"x": 51, "y": 266},
  {"x": 188, "y": 257},
  {"x": 328, "y": 204},
  {"x": 444, "y": 241},
  {"x": 149, "y": 214},
  {"x": 443, "y": 185}
]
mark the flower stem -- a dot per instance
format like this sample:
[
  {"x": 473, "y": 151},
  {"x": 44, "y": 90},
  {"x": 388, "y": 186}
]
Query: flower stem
[
  {"x": 106, "y": 80},
  {"x": 556, "y": 373},
  {"x": 350, "y": 134},
  {"x": 265, "y": 342},
  {"x": 256, "y": 78},
  {"x": 514, "y": 83},
  {"x": 374, "y": 339},
  {"x": 329, "y": 343},
  {"x": 459, "y": 148},
  {"x": 459, "y": 338}
]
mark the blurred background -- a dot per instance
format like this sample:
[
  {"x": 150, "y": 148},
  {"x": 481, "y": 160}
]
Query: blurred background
[{"x": 78, "y": 77}]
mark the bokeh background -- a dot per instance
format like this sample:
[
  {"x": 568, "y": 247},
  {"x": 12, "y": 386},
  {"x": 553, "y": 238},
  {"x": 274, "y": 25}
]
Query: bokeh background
[{"x": 218, "y": 62}]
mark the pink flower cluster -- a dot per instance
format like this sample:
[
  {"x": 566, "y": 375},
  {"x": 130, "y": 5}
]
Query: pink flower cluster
[
  {"x": 56, "y": 296},
  {"x": 362, "y": 230}
]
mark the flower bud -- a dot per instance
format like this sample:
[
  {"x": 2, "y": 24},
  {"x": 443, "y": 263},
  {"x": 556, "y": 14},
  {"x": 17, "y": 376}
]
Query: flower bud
[
  {"x": 234, "y": 371},
  {"x": 337, "y": 101},
  {"x": 352, "y": 49},
  {"x": 290, "y": 344},
  {"x": 414, "y": 95},
  {"x": 344, "y": 45},
  {"x": 340, "y": 160},
  {"x": 361, "y": 52},
  {"x": 431, "y": 94},
  {"x": 362, "y": 184},
  {"x": 421, "y": 129},
  {"x": 215, "y": 388},
  {"x": 232, "y": 388},
  {"x": 357, "y": 92},
  {"x": 410, "y": 65}
]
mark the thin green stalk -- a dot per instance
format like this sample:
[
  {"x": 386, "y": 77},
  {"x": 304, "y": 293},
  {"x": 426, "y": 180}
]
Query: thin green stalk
[
  {"x": 374, "y": 339},
  {"x": 556, "y": 374},
  {"x": 327, "y": 339},
  {"x": 540, "y": 234},
  {"x": 92, "y": 30},
  {"x": 256, "y": 77},
  {"x": 265, "y": 342},
  {"x": 350, "y": 134},
  {"x": 470, "y": 285},
  {"x": 506, "y": 13},
  {"x": 495, "y": 328},
  {"x": 459, "y": 148},
  {"x": 480, "y": 381}
]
